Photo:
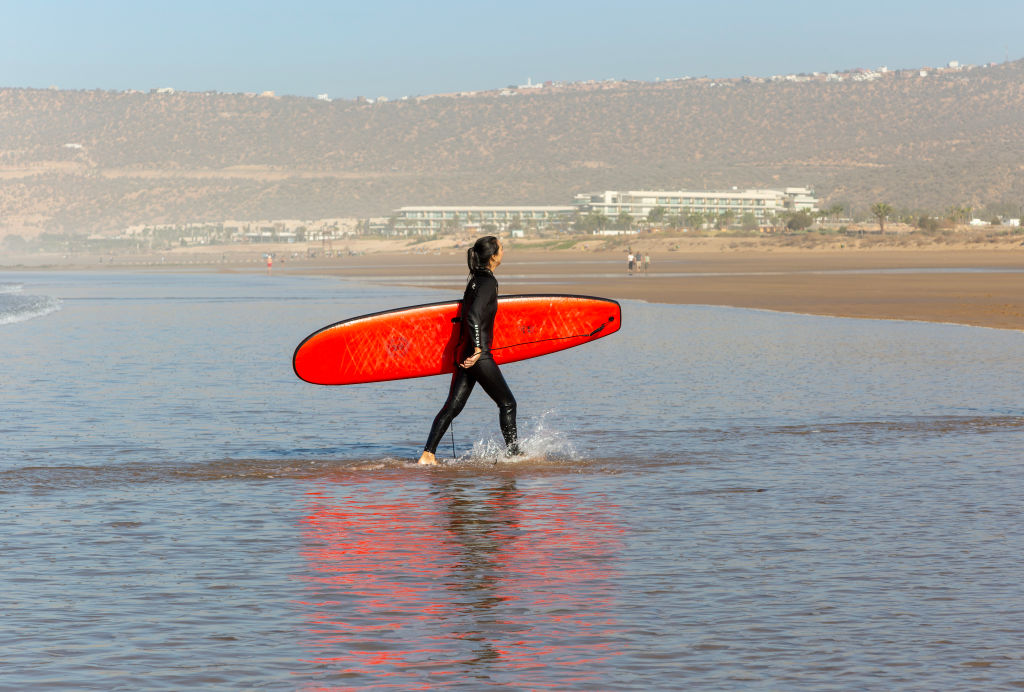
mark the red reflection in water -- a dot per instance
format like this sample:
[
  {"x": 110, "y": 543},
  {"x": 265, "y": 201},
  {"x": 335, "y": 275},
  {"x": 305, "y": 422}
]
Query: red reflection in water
[{"x": 415, "y": 586}]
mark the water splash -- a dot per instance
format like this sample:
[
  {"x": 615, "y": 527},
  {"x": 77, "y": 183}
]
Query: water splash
[
  {"x": 542, "y": 441},
  {"x": 15, "y": 307}
]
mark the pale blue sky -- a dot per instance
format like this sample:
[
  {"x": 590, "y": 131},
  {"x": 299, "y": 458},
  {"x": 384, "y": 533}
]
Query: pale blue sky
[{"x": 400, "y": 47}]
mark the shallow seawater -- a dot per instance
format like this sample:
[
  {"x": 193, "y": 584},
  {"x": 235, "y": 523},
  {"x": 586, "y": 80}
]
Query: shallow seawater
[{"x": 712, "y": 498}]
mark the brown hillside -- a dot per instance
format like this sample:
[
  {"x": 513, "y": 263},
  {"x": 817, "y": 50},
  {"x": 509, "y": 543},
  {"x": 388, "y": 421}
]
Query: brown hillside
[{"x": 915, "y": 142}]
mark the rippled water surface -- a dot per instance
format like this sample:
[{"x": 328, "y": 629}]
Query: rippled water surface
[{"x": 714, "y": 499}]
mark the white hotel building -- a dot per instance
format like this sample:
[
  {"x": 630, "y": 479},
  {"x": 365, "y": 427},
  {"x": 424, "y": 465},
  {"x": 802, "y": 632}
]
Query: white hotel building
[
  {"x": 430, "y": 220},
  {"x": 639, "y": 203}
]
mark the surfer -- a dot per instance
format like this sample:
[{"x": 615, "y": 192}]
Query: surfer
[{"x": 479, "y": 305}]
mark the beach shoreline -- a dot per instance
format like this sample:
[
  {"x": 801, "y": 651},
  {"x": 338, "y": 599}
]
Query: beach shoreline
[{"x": 970, "y": 283}]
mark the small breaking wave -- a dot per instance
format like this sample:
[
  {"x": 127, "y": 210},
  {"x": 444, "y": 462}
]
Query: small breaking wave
[{"x": 16, "y": 307}]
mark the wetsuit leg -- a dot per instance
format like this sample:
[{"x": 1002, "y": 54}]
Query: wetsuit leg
[
  {"x": 490, "y": 378},
  {"x": 458, "y": 394}
]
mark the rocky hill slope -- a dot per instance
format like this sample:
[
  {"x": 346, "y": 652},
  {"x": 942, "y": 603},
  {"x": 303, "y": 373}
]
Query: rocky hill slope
[{"x": 96, "y": 161}]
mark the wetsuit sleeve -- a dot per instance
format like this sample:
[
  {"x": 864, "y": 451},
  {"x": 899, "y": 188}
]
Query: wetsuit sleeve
[{"x": 478, "y": 312}]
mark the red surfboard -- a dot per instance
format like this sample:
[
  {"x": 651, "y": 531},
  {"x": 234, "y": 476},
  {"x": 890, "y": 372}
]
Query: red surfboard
[{"x": 421, "y": 340}]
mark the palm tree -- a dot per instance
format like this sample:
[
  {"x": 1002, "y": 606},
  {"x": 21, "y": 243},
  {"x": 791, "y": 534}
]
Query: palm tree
[
  {"x": 830, "y": 213},
  {"x": 880, "y": 210}
]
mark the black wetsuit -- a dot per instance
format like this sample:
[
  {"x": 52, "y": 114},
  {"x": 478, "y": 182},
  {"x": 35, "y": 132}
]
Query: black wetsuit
[{"x": 479, "y": 305}]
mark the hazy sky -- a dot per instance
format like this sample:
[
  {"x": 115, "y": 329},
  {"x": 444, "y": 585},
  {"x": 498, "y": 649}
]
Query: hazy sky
[{"x": 398, "y": 47}]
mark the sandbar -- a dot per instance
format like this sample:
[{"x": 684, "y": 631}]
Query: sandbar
[
  {"x": 979, "y": 287},
  {"x": 977, "y": 283}
]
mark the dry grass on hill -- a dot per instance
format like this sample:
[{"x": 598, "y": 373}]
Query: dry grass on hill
[{"x": 916, "y": 142}]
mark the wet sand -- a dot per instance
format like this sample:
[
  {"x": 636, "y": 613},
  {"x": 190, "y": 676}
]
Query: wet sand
[
  {"x": 973, "y": 287},
  {"x": 980, "y": 283}
]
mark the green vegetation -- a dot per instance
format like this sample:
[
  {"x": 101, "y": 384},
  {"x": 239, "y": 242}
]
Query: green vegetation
[
  {"x": 881, "y": 211},
  {"x": 594, "y": 221},
  {"x": 657, "y": 215},
  {"x": 800, "y": 221},
  {"x": 565, "y": 244}
]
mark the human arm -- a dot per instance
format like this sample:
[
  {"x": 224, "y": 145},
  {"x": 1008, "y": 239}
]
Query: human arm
[{"x": 480, "y": 305}]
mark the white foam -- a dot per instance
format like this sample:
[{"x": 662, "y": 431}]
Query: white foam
[
  {"x": 18, "y": 308},
  {"x": 541, "y": 441}
]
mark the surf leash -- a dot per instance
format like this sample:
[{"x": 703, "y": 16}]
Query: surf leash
[{"x": 561, "y": 338}]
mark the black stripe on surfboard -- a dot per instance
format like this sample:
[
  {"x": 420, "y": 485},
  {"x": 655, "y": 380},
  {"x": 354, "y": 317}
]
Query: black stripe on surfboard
[{"x": 560, "y": 338}]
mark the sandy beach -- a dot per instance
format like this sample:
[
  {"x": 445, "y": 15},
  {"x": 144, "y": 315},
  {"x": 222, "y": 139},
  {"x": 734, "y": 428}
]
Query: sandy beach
[
  {"x": 981, "y": 286},
  {"x": 976, "y": 283}
]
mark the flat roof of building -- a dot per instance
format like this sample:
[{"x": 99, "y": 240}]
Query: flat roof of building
[
  {"x": 698, "y": 193},
  {"x": 501, "y": 207}
]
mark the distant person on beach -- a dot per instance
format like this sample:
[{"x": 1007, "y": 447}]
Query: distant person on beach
[
  {"x": 479, "y": 306},
  {"x": 629, "y": 263},
  {"x": 647, "y": 262}
]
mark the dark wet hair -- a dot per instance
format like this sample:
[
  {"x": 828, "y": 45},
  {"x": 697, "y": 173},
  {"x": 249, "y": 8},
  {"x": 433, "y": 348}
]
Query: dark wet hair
[{"x": 479, "y": 256}]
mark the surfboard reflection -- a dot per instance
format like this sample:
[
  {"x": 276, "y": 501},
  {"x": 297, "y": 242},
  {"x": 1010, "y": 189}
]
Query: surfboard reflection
[{"x": 461, "y": 578}]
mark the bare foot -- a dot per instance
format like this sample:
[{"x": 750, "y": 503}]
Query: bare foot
[{"x": 427, "y": 459}]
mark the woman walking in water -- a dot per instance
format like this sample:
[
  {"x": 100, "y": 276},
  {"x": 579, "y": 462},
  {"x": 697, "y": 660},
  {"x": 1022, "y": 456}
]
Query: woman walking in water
[{"x": 479, "y": 305}]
